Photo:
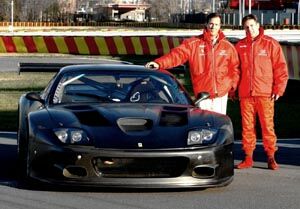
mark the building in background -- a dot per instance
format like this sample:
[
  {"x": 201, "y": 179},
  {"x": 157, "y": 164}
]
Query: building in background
[{"x": 115, "y": 10}]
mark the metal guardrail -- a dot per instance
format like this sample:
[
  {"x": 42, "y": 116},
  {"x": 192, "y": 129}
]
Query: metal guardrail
[
  {"x": 55, "y": 67},
  {"x": 41, "y": 67}
]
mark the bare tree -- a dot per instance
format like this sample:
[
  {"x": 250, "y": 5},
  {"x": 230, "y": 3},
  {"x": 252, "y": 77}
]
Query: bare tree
[
  {"x": 162, "y": 10},
  {"x": 53, "y": 12},
  {"x": 4, "y": 10}
]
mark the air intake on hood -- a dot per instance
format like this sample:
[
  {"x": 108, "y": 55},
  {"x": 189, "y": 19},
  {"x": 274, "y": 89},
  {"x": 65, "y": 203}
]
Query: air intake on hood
[
  {"x": 134, "y": 124},
  {"x": 173, "y": 118},
  {"x": 92, "y": 118}
]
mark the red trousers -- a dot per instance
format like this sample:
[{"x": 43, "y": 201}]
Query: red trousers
[{"x": 264, "y": 108}]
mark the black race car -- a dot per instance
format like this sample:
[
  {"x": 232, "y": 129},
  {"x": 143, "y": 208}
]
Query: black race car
[{"x": 120, "y": 125}]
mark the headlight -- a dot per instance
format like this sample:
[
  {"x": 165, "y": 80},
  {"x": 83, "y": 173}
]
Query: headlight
[
  {"x": 76, "y": 136},
  {"x": 62, "y": 135},
  {"x": 71, "y": 136},
  {"x": 201, "y": 136}
]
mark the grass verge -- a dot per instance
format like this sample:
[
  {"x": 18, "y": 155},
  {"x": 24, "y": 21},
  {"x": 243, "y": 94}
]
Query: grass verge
[{"x": 12, "y": 86}]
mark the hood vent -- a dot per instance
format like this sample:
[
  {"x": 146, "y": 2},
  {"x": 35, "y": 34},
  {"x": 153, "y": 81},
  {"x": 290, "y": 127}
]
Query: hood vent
[
  {"x": 92, "y": 118},
  {"x": 173, "y": 118},
  {"x": 134, "y": 124}
]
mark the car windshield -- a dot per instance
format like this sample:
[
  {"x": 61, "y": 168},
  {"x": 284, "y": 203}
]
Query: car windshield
[{"x": 119, "y": 87}]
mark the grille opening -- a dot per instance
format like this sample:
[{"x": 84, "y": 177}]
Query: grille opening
[
  {"x": 74, "y": 171},
  {"x": 204, "y": 172},
  {"x": 140, "y": 167}
]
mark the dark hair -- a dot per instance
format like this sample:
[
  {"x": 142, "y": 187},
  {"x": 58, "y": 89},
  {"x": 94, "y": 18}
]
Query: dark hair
[
  {"x": 249, "y": 17},
  {"x": 213, "y": 15}
]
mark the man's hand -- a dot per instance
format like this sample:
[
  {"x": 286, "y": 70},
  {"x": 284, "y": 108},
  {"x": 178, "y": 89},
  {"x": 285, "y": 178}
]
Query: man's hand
[
  {"x": 275, "y": 97},
  {"x": 232, "y": 95},
  {"x": 152, "y": 65}
]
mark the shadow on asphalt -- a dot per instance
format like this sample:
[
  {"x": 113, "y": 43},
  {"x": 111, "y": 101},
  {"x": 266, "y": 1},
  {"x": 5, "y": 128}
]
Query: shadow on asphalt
[
  {"x": 288, "y": 154},
  {"x": 8, "y": 159}
]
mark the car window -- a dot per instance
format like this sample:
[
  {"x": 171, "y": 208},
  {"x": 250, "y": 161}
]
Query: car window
[{"x": 119, "y": 87}]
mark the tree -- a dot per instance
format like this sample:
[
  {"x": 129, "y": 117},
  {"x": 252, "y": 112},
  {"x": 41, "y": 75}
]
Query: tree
[
  {"x": 161, "y": 11},
  {"x": 54, "y": 11},
  {"x": 4, "y": 10}
]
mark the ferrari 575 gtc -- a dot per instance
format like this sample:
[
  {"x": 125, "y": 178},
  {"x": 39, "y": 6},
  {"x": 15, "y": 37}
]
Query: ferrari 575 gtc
[{"x": 120, "y": 125}]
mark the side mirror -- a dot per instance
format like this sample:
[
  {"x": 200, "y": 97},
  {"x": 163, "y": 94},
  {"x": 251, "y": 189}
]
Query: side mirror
[
  {"x": 201, "y": 96},
  {"x": 34, "y": 96}
]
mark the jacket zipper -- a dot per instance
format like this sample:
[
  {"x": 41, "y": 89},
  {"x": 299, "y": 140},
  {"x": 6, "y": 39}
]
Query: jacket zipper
[
  {"x": 214, "y": 71},
  {"x": 251, "y": 68}
]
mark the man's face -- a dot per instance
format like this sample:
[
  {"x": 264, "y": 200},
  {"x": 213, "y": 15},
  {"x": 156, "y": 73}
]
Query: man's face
[
  {"x": 252, "y": 27},
  {"x": 214, "y": 25}
]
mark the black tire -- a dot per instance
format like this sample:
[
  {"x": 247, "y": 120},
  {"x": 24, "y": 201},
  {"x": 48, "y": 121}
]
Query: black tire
[{"x": 22, "y": 148}]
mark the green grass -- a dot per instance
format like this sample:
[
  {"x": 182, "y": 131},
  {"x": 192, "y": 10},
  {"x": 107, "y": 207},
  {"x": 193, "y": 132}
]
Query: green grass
[
  {"x": 12, "y": 81},
  {"x": 12, "y": 86}
]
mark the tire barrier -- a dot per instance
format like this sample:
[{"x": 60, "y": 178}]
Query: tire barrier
[
  {"x": 109, "y": 45},
  {"x": 116, "y": 46}
]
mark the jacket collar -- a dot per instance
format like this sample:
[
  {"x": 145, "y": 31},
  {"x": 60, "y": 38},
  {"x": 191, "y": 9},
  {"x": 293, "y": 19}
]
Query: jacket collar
[
  {"x": 249, "y": 38},
  {"x": 207, "y": 36}
]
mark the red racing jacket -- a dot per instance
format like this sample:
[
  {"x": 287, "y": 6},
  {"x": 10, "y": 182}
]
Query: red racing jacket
[
  {"x": 263, "y": 66},
  {"x": 214, "y": 69}
]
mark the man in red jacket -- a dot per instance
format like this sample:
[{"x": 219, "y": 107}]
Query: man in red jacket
[
  {"x": 213, "y": 63},
  {"x": 263, "y": 80}
]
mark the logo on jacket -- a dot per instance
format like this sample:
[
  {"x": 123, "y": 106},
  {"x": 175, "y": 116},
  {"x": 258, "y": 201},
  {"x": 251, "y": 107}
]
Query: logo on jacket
[
  {"x": 262, "y": 52},
  {"x": 202, "y": 51},
  {"x": 223, "y": 53}
]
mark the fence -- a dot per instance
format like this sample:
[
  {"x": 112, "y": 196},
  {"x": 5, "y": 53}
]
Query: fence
[{"x": 135, "y": 24}]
